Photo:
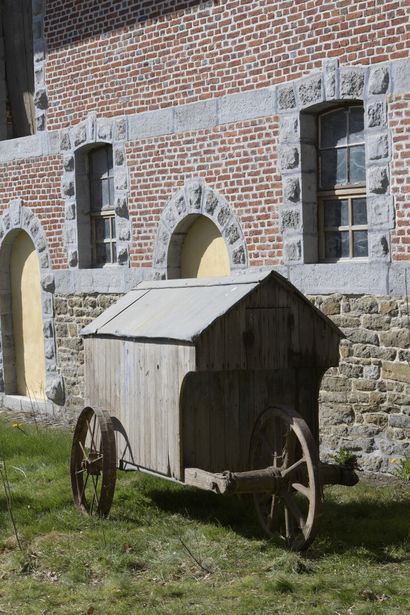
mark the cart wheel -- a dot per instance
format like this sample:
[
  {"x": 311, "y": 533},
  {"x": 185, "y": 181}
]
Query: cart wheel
[
  {"x": 282, "y": 438},
  {"x": 93, "y": 461}
]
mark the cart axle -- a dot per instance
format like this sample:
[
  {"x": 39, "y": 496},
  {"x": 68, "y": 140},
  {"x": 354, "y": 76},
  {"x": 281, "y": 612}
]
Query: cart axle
[{"x": 267, "y": 480}]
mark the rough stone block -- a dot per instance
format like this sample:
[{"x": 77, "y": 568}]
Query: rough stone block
[
  {"x": 65, "y": 141},
  {"x": 289, "y": 128},
  {"x": 351, "y": 83},
  {"x": 290, "y": 220},
  {"x": 80, "y": 135},
  {"x": 310, "y": 91},
  {"x": 401, "y": 76},
  {"x": 194, "y": 191},
  {"x": 68, "y": 163},
  {"x": 119, "y": 156},
  {"x": 72, "y": 258},
  {"x": 247, "y": 105},
  {"x": 330, "y": 67},
  {"x": 401, "y": 421},
  {"x": 48, "y": 282},
  {"x": 289, "y": 157},
  {"x": 371, "y": 372},
  {"x": 398, "y": 338},
  {"x": 291, "y": 189},
  {"x": 293, "y": 250},
  {"x": 380, "y": 210},
  {"x": 376, "y": 114},
  {"x": 286, "y": 97},
  {"x": 121, "y": 206},
  {"x": 396, "y": 371},
  {"x": 379, "y": 246},
  {"x": 196, "y": 116},
  {"x": 121, "y": 129},
  {"x": 378, "y": 80},
  {"x": 362, "y": 336},
  {"x": 151, "y": 124},
  {"x": 55, "y": 390},
  {"x": 41, "y": 99},
  {"x": 232, "y": 233},
  {"x": 239, "y": 256},
  {"x": 121, "y": 181},
  {"x": 68, "y": 187},
  {"x": 377, "y": 179},
  {"x": 104, "y": 130},
  {"x": 70, "y": 210},
  {"x": 377, "y": 146}
]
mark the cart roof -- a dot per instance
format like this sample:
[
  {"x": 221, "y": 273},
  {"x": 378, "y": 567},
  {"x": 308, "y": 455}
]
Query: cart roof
[{"x": 178, "y": 310}]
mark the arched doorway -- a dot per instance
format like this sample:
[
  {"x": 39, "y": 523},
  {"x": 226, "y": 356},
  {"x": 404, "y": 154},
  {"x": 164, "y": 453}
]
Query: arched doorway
[
  {"x": 30, "y": 374},
  {"x": 204, "y": 252}
]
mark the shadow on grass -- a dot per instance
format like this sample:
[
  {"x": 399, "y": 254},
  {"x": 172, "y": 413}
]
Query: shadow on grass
[{"x": 374, "y": 524}]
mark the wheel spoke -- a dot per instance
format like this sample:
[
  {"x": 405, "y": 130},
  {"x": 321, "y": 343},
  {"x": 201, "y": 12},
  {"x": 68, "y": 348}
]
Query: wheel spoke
[
  {"x": 84, "y": 486},
  {"x": 302, "y": 489},
  {"x": 294, "y": 509},
  {"x": 98, "y": 461},
  {"x": 274, "y": 516},
  {"x": 293, "y": 467}
]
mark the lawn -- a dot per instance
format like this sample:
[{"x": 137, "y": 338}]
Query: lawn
[{"x": 171, "y": 549}]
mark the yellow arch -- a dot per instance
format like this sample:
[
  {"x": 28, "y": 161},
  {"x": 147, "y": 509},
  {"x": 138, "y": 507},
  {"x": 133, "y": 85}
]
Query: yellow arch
[
  {"x": 204, "y": 252},
  {"x": 27, "y": 318}
]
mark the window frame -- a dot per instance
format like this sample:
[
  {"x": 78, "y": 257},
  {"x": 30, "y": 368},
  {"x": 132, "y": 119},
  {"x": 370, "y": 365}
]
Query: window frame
[
  {"x": 97, "y": 213},
  {"x": 339, "y": 192}
]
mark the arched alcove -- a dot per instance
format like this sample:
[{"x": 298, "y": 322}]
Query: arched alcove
[
  {"x": 203, "y": 251},
  {"x": 26, "y": 310},
  {"x": 199, "y": 218}
]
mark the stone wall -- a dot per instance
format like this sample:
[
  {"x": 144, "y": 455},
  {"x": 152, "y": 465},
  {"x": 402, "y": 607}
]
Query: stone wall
[
  {"x": 365, "y": 402},
  {"x": 72, "y": 313}
]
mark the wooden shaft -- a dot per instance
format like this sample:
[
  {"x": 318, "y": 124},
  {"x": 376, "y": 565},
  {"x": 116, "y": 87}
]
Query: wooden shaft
[{"x": 335, "y": 474}]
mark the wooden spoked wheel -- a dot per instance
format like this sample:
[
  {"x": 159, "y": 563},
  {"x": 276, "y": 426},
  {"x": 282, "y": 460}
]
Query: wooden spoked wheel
[
  {"x": 282, "y": 439},
  {"x": 93, "y": 462}
]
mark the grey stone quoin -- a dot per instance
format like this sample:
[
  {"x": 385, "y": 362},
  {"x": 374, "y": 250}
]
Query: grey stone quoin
[{"x": 14, "y": 219}]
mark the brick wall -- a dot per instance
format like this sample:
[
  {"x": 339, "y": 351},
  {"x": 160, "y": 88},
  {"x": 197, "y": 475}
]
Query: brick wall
[
  {"x": 123, "y": 57},
  {"x": 37, "y": 182},
  {"x": 238, "y": 160}
]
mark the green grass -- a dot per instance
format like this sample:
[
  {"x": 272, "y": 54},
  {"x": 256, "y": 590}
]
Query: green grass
[{"x": 170, "y": 549}]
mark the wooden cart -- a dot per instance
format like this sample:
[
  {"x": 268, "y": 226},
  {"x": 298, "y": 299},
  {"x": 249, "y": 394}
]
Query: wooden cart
[{"x": 212, "y": 383}]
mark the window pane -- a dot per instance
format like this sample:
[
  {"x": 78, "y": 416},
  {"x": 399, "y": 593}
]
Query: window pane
[
  {"x": 99, "y": 229},
  {"x": 114, "y": 252},
  {"x": 336, "y": 244},
  {"x": 359, "y": 211},
  {"x": 99, "y": 162},
  {"x": 95, "y": 196},
  {"x": 108, "y": 253},
  {"x": 336, "y": 212},
  {"x": 113, "y": 226},
  {"x": 333, "y": 128},
  {"x": 356, "y": 125},
  {"x": 101, "y": 254},
  {"x": 360, "y": 243},
  {"x": 333, "y": 168},
  {"x": 105, "y": 194},
  {"x": 107, "y": 228},
  {"x": 357, "y": 170}
]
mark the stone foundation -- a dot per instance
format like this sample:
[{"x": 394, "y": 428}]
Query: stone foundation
[
  {"x": 364, "y": 403},
  {"x": 72, "y": 313}
]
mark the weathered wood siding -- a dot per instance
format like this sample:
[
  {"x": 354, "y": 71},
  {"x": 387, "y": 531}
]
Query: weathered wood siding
[
  {"x": 219, "y": 410},
  {"x": 139, "y": 384},
  {"x": 272, "y": 328}
]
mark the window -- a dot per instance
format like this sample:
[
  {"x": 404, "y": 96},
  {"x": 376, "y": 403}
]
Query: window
[
  {"x": 342, "y": 184},
  {"x": 102, "y": 216},
  {"x": 17, "y": 114}
]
